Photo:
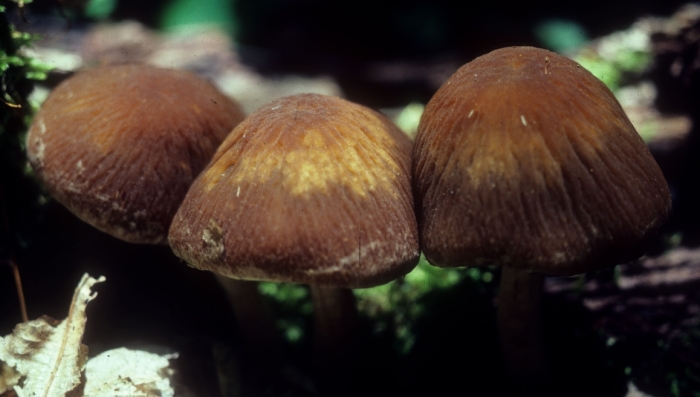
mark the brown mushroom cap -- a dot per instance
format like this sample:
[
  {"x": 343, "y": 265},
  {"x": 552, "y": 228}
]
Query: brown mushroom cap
[
  {"x": 308, "y": 189},
  {"x": 119, "y": 146},
  {"x": 523, "y": 158}
]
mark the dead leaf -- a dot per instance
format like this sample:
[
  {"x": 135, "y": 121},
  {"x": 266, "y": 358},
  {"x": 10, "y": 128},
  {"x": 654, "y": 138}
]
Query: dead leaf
[
  {"x": 129, "y": 372},
  {"x": 44, "y": 357}
]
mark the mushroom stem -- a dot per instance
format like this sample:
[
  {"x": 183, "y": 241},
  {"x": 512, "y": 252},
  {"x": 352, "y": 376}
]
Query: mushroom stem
[
  {"x": 520, "y": 329},
  {"x": 255, "y": 318},
  {"x": 335, "y": 316}
]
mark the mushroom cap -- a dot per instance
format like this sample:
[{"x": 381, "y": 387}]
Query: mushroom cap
[
  {"x": 525, "y": 159},
  {"x": 308, "y": 189},
  {"x": 120, "y": 145}
]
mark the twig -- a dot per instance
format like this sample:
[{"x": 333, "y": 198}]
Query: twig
[{"x": 20, "y": 291}]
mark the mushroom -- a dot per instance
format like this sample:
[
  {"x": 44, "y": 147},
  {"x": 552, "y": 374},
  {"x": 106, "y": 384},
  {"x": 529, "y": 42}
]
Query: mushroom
[
  {"x": 119, "y": 146},
  {"x": 524, "y": 159},
  {"x": 308, "y": 189}
]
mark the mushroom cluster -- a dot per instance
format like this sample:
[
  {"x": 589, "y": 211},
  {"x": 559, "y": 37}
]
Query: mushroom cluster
[
  {"x": 522, "y": 159},
  {"x": 525, "y": 160}
]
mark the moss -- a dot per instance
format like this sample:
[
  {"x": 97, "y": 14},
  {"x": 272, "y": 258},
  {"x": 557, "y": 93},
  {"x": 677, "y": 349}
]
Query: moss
[
  {"x": 19, "y": 194},
  {"x": 17, "y": 70}
]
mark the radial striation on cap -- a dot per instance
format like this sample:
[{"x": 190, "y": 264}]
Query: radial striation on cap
[
  {"x": 308, "y": 189},
  {"x": 119, "y": 146},
  {"x": 523, "y": 158}
]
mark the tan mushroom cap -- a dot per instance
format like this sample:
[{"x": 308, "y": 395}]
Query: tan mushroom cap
[
  {"x": 119, "y": 146},
  {"x": 308, "y": 189},
  {"x": 525, "y": 159}
]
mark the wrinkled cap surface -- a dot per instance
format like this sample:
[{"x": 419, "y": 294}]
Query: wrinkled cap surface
[
  {"x": 119, "y": 146},
  {"x": 308, "y": 189},
  {"x": 523, "y": 158}
]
